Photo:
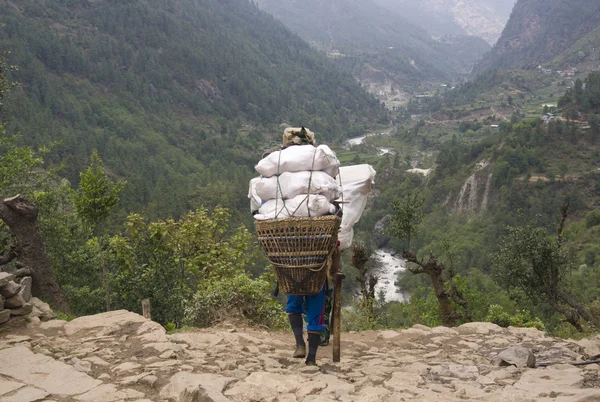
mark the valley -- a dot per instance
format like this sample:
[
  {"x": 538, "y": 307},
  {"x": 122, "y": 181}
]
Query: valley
[{"x": 479, "y": 126}]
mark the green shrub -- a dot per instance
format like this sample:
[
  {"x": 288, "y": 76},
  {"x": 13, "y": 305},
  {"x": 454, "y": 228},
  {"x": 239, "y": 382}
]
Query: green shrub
[
  {"x": 221, "y": 298},
  {"x": 498, "y": 316},
  {"x": 593, "y": 218},
  {"x": 357, "y": 318}
]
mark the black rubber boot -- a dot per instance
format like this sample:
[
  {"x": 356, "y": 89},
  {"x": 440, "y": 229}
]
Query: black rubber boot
[
  {"x": 298, "y": 329},
  {"x": 313, "y": 345}
]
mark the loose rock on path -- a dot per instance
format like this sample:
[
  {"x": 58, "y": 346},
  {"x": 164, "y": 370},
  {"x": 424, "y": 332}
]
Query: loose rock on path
[{"x": 121, "y": 356}]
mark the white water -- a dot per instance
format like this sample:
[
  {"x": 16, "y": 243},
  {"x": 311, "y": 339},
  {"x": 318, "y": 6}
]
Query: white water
[
  {"x": 356, "y": 140},
  {"x": 361, "y": 139},
  {"x": 391, "y": 266}
]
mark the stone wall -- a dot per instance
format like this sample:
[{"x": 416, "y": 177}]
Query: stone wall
[{"x": 16, "y": 300}]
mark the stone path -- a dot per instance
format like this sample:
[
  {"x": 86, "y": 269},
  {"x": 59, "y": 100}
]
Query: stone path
[{"x": 120, "y": 356}]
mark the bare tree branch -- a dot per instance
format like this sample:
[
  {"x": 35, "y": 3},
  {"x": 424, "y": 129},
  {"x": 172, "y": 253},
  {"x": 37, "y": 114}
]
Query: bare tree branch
[{"x": 564, "y": 213}]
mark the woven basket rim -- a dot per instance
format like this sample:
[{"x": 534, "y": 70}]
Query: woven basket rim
[{"x": 300, "y": 219}]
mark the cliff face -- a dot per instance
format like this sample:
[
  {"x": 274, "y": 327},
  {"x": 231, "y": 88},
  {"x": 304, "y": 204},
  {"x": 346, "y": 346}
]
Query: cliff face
[
  {"x": 540, "y": 30},
  {"x": 120, "y": 356},
  {"x": 475, "y": 192}
]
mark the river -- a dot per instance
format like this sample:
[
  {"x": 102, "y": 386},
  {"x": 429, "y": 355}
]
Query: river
[{"x": 390, "y": 267}]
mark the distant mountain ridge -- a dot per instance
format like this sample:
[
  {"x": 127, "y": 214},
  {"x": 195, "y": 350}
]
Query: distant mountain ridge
[
  {"x": 374, "y": 39},
  {"x": 481, "y": 18},
  {"x": 538, "y": 31}
]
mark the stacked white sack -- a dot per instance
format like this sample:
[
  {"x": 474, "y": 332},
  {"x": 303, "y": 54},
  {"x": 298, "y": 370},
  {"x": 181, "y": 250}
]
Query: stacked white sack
[
  {"x": 284, "y": 186},
  {"x": 289, "y": 185},
  {"x": 357, "y": 182},
  {"x": 300, "y": 206},
  {"x": 299, "y": 158},
  {"x": 255, "y": 200}
]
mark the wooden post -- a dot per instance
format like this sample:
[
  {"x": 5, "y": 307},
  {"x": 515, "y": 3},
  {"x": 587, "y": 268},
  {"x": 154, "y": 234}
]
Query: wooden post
[
  {"x": 146, "y": 309},
  {"x": 337, "y": 315}
]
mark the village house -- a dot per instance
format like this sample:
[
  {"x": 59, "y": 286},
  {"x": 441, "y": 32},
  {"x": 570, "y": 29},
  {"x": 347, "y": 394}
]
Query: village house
[{"x": 548, "y": 117}]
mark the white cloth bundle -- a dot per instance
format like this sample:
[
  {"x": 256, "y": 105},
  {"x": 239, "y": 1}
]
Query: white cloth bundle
[
  {"x": 297, "y": 207},
  {"x": 289, "y": 185},
  {"x": 255, "y": 200},
  {"x": 357, "y": 182},
  {"x": 299, "y": 158}
]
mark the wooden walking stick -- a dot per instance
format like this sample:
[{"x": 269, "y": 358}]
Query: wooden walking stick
[{"x": 338, "y": 277}]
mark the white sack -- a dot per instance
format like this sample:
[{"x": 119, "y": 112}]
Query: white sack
[
  {"x": 299, "y": 158},
  {"x": 297, "y": 207},
  {"x": 345, "y": 237},
  {"x": 289, "y": 185},
  {"x": 357, "y": 182},
  {"x": 255, "y": 200}
]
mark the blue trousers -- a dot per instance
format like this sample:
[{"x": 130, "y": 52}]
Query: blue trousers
[{"x": 315, "y": 309}]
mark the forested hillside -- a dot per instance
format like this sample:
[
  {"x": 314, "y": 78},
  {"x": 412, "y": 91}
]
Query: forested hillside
[
  {"x": 538, "y": 31},
  {"x": 178, "y": 97}
]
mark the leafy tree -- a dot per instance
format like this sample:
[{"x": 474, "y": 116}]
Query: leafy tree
[
  {"x": 96, "y": 198},
  {"x": 187, "y": 266},
  {"x": 532, "y": 261},
  {"x": 406, "y": 217}
]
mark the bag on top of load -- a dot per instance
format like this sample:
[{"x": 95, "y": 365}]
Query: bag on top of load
[
  {"x": 299, "y": 158},
  {"x": 289, "y": 185},
  {"x": 357, "y": 182},
  {"x": 297, "y": 207},
  {"x": 255, "y": 200}
]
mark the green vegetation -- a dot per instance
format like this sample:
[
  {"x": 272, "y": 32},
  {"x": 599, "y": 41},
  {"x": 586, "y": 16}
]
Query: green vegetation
[
  {"x": 178, "y": 99},
  {"x": 528, "y": 170}
]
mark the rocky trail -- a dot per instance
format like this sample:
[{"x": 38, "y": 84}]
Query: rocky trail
[{"x": 121, "y": 356}]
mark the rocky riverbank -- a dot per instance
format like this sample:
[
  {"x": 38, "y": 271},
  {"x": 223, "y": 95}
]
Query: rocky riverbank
[{"x": 120, "y": 356}]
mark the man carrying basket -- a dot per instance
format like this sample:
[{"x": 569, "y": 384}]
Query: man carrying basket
[{"x": 297, "y": 223}]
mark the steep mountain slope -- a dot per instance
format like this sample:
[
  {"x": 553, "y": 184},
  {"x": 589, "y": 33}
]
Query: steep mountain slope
[
  {"x": 174, "y": 94},
  {"x": 484, "y": 19},
  {"x": 540, "y": 30},
  {"x": 362, "y": 30}
]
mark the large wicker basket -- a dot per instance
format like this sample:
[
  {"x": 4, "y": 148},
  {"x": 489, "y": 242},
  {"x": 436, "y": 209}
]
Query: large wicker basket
[{"x": 299, "y": 249}]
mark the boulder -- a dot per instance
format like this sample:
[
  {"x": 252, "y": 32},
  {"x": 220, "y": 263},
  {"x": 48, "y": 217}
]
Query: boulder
[
  {"x": 517, "y": 356},
  {"x": 1, "y": 303},
  {"x": 265, "y": 386},
  {"x": 53, "y": 324},
  {"x": 111, "y": 321},
  {"x": 10, "y": 289},
  {"x": 591, "y": 347},
  {"x": 379, "y": 231},
  {"x": 478, "y": 328},
  {"x": 4, "y": 316},
  {"x": 45, "y": 311},
  {"x": 16, "y": 301},
  {"x": 23, "y": 310},
  {"x": 5, "y": 277},
  {"x": 26, "y": 283},
  {"x": 199, "y": 386}
]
